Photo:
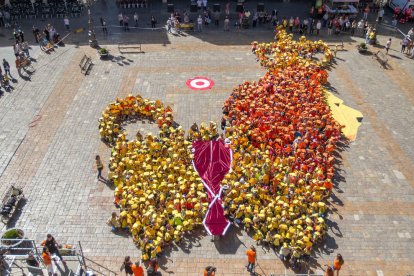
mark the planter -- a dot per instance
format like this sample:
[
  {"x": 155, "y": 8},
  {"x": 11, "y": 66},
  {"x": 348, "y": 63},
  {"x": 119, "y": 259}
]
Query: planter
[
  {"x": 12, "y": 233},
  {"x": 103, "y": 53},
  {"x": 362, "y": 50}
]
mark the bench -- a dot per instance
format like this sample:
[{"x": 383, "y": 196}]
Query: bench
[
  {"x": 10, "y": 202},
  {"x": 186, "y": 27},
  {"x": 338, "y": 46},
  {"x": 128, "y": 48},
  {"x": 85, "y": 64},
  {"x": 382, "y": 58}
]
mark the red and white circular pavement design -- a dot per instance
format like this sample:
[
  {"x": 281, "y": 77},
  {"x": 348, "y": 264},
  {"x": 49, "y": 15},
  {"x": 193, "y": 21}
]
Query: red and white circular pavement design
[{"x": 200, "y": 83}]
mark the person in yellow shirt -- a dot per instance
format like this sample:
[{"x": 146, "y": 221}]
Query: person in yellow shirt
[
  {"x": 113, "y": 221},
  {"x": 99, "y": 166}
]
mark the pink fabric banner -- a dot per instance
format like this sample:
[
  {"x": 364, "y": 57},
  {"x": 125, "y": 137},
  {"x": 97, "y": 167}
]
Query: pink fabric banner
[{"x": 212, "y": 161}]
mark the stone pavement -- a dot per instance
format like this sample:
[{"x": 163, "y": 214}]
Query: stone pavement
[{"x": 50, "y": 136}]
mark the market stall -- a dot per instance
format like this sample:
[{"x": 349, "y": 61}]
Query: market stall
[{"x": 342, "y": 7}]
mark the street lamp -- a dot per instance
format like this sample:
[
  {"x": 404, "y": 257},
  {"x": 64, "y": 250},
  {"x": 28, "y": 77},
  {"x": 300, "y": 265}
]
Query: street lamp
[{"x": 91, "y": 32}]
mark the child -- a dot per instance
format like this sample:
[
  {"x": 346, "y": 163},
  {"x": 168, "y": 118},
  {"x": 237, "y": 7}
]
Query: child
[
  {"x": 388, "y": 45},
  {"x": 113, "y": 221},
  {"x": 338, "y": 262},
  {"x": 47, "y": 260},
  {"x": 99, "y": 166}
]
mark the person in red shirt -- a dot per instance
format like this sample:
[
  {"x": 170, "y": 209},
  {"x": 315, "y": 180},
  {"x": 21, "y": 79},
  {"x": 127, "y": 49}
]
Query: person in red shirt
[
  {"x": 137, "y": 269},
  {"x": 251, "y": 258}
]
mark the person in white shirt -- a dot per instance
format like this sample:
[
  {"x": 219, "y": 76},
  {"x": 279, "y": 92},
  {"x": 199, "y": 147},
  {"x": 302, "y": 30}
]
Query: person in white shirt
[
  {"x": 226, "y": 24},
  {"x": 66, "y": 21},
  {"x": 121, "y": 19},
  {"x": 388, "y": 45},
  {"x": 136, "y": 17},
  {"x": 360, "y": 27},
  {"x": 199, "y": 23},
  {"x": 285, "y": 252},
  {"x": 318, "y": 27},
  {"x": 169, "y": 25},
  {"x": 380, "y": 15}
]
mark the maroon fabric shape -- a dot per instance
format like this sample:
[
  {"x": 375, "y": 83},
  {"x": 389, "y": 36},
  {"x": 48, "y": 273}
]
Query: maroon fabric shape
[
  {"x": 215, "y": 220},
  {"x": 212, "y": 161}
]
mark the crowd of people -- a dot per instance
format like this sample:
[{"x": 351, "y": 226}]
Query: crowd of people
[
  {"x": 21, "y": 48},
  {"x": 283, "y": 138},
  {"x": 47, "y": 37}
]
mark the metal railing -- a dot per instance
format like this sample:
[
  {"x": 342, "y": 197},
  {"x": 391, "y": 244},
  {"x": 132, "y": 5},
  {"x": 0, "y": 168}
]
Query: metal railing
[
  {"x": 12, "y": 250},
  {"x": 95, "y": 267},
  {"x": 92, "y": 265}
]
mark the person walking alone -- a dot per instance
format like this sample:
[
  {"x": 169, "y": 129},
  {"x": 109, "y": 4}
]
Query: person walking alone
[
  {"x": 104, "y": 29},
  {"x": 6, "y": 67},
  {"x": 226, "y": 24},
  {"x": 251, "y": 258},
  {"x": 388, "y": 45},
  {"x": 318, "y": 27},
  {"x": 404, "y": 44},
  {"x": 99, "y": 166},
  {"x": 330, "y": 27},
  {"x": 153, "y": 22},
  {"x": 136, "y": 17},
  {"x": 338, "y": 263},
  {"x": 127, "y": 266},
  {"x": 199, "y": 23},
  {"x": 126, "y": 23},
  {"x": 169, "y": 25},
  {"x": 121, "y": 19},
  {"x": 66, "y": 22}
]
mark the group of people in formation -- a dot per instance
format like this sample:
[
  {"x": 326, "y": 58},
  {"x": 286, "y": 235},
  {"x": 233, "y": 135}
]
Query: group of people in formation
[{"x": 283, "y": 139}]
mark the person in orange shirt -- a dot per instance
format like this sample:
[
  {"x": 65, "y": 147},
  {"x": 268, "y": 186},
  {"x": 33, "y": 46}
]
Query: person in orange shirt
[
  {"x": 137, "y": 269},
  {"x": 47, "y": 260},
  {"x": 251, "y": 258},
  {"x": 210, "y": 271},
  {"x": 338, "y": 262}
]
